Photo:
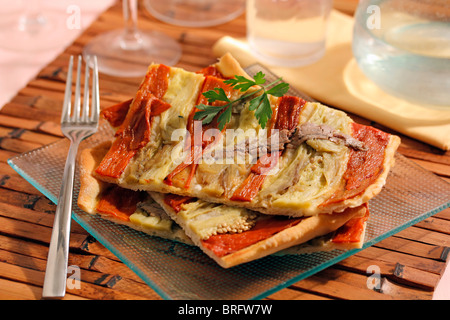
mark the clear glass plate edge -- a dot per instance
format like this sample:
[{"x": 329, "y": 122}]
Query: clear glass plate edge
[
  {"x": 262, "y": 295},
  {"x": 92, "y": 231},
  {"x": 344, "y": 255}
]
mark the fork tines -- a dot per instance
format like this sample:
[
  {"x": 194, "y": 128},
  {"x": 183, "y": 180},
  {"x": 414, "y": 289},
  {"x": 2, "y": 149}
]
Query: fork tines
[{"x": 78, "y": 113}]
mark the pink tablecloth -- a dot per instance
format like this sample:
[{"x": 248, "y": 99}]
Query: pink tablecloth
[{"x": 18, "y": 67}]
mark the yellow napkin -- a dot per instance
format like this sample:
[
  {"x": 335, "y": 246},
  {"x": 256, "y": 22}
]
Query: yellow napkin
[{"x": 337, "y": 81}]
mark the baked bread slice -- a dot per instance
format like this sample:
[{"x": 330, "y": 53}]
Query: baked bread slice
[
  {"x": 252, "y": 235},
  {"x": 135, "y": 209},
  {"x": 323, "y": 162},
  {"x": 207, "y": 222}
]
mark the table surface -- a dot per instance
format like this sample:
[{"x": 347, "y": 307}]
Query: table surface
[{"x": 31, "y": 119}]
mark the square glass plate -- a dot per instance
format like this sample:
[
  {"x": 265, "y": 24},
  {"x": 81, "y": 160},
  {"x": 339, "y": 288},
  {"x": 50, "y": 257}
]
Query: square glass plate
[{"x": 178, "y": 271}]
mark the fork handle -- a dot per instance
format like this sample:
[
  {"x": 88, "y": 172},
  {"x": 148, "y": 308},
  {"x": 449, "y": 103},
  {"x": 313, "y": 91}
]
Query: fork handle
[{"x": 56, "y": 270}]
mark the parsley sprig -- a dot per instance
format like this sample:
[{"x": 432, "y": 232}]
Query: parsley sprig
[{"x": 259, "y": 102}]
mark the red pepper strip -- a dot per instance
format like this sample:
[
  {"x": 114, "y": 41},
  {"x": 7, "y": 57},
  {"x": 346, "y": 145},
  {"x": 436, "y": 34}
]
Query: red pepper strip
[
  {"x": 132, "y": 135},
  {"x": 287, "y": 113},
  {"x": 227, "y": 243},
  {"x": 364, "y": 166},
  {"x": 120, "y": 203},
  {"x": 134, "y": 132},
  {"x": 352, "y": 231},
  {"x": 265, "y": 163},
  {"x": 289, "y": 109},
  {"x": 376, "y": 142},
  {"x": 194, "y": 152},
  {"x": 211, "y": 71},
  {"x": 116, "y": 114},
  {"x": 196, "y": 142},
  {"x": 251, "y": 185},
  {"x": 249, "y": 188},
  {"x": 156, "y": 81},
  {"x": 159, "y": 106},
  {"x": 175, "y": 201}
]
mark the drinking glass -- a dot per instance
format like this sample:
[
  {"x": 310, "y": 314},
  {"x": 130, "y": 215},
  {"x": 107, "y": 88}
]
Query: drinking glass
[
  {"x": 287, "y": 32},
  {"x": 403, "y": 46},
  {"x": 128, "y": 52}
]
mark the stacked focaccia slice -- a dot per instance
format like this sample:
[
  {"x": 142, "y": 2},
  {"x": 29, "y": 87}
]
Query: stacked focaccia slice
[
  {"x": 208, "y": 223},
  {"x": 241, "y": 206}
]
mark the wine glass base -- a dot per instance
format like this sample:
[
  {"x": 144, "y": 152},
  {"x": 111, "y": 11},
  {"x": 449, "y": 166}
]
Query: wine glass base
[
  {"x": 195, "y": 13},
  {"x": 118, "y": 59}
]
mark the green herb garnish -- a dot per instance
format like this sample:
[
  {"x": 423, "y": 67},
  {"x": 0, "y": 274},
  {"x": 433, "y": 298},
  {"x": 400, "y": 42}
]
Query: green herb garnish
[{"x": 259, "y": 103}]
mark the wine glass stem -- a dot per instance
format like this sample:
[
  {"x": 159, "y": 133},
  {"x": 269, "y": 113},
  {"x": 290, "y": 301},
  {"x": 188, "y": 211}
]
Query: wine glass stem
[{"x": 131, "y": 38}]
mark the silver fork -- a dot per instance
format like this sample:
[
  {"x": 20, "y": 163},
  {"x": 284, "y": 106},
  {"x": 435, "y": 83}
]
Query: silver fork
[{"x": 76, "y": 124}]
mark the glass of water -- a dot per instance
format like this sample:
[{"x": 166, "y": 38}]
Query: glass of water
[
  {"x": 287, "y": 32},
  {"x": 403, "y": 46}
]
